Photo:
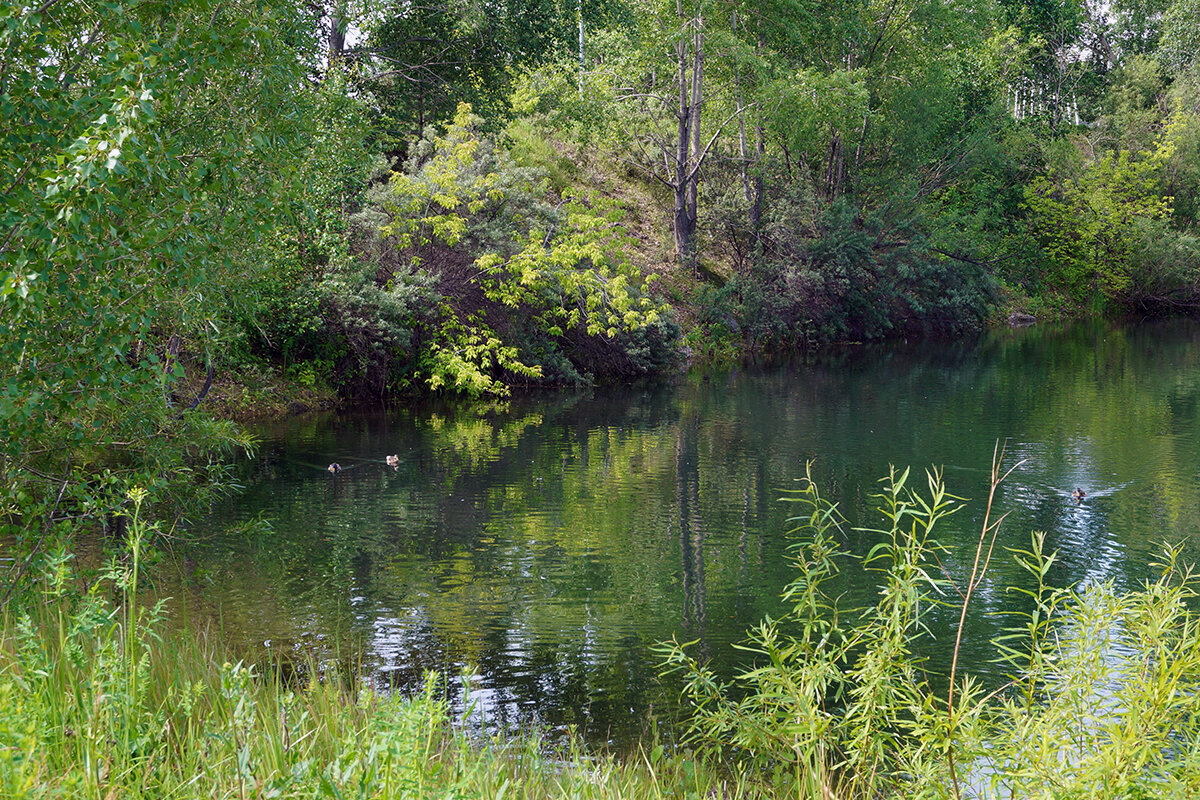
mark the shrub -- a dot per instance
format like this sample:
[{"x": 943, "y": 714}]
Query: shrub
[
  {"x": 826, "y": 274},
  {"x": 1102, "y": 700},
  {"x": 535, "y": 285}
]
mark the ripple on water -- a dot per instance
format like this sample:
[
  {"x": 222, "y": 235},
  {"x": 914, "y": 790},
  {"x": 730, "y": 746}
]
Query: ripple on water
[{"x": 544, "y": 547}]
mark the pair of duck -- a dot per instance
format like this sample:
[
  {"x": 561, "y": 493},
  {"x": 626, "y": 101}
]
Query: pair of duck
[{"x": 391, "y": 461}]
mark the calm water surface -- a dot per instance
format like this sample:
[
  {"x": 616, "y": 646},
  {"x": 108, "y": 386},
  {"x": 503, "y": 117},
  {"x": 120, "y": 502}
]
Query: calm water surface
[{"x": 548, "y": 544}]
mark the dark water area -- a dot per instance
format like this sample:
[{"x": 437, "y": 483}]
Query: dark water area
[{"x": 547, "y": 544}]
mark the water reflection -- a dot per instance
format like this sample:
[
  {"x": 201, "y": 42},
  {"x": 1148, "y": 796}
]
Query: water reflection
[{"x": 547, "y": 544}]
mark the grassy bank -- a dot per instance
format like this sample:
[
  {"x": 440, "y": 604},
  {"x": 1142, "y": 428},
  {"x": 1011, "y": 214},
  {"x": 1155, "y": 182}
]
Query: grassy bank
[
  {"x": 85, "y": 720},
  {"x": 98, "y": 703},
  {"x": 1103, "y": 699},
  {"x": 93, "y": 710}
]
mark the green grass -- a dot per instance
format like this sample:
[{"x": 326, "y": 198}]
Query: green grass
[{"x": 95, "y": 703}]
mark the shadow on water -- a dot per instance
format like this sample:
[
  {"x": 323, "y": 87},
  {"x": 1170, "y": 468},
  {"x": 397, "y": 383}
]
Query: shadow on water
[{"x": 546, "y": 544}]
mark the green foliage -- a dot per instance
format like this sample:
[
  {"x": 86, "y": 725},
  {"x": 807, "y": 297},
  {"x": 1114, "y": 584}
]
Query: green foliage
[
  {"x": 1088, "y": 223},
  {"x": 1105, "y": 705},
  {"x": 1179, "y": 44},
  {"x": 368, "y": 332},
  {"x": 461, "y": 273},
  {"x": 520, "y": 276},
  {"x": 936, "y": 122},
  {"x": 812, "y": 106},
  {"x": 465, "y": 359},
  {"x": 419, "y": 62},
  {"x": 1133, "y": 104},
  {"x": 144, "y": 147},
  {"x": 530, "y": 144},
  {"x": 313, "y": 301},
  {"x": 839, "y": 700},
  {"x": 823, "y": 273},
  {"x": 1137, "y": 24},
  {"x": 1182, "y": 179}
]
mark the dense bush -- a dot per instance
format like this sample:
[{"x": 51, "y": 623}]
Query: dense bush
[
  {"x": 148, "y": 151},
  {"x": 535, "y": 286},
  {"x": 819, "y": 274}
]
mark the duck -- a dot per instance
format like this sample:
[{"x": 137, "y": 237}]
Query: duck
[
  {"x": 393, "y": 461},
  {"x": 1078, "y": 495},
  {"x": 334, "y": 468}
]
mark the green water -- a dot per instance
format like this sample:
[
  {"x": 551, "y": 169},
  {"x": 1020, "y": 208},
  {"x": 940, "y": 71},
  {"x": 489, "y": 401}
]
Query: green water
[{"x": 549, "y": 543}]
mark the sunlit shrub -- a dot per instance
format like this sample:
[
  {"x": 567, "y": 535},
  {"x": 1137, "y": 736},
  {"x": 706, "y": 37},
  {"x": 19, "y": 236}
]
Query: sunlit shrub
[{"x": 536, "y": 283}]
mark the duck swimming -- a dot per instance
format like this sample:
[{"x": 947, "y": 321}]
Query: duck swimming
[
  {"x": 1078, "y": 495},
  {"x": 393, "y": 461},
  {"x": 334, "y": 468}
]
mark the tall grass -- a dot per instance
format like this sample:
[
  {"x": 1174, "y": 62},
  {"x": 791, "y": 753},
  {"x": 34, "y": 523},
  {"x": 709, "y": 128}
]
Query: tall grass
[
  {"x": 1102, "y": 701},
  {"x": 96, "y": 703}
]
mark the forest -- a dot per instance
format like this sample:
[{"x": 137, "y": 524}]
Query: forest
[
  {"x": 220, "y": 209},
  {"x": 366, "y": 201}
]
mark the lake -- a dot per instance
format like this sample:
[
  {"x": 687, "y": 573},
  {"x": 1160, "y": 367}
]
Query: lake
[{"x": 535, "y": 551}]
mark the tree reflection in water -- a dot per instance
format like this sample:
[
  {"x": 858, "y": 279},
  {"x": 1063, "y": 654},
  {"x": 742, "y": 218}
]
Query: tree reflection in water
[{"x": 548, "y": 543}]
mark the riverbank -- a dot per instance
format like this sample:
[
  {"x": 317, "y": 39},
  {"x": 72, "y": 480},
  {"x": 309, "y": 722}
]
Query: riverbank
[
  {"x": 98, "y": 704},
  {"x": 253, "y": 392},
  {"x": 259, "y": 390}
]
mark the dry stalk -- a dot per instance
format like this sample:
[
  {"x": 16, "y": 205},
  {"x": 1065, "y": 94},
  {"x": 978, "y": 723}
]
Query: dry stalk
[{"x": 986, "y": 534}]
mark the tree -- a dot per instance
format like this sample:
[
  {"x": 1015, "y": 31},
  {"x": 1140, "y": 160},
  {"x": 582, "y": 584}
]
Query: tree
[
  {"x": 147, "y": 149},
  {"x": 690, "y": 151},
  {"x": 1180, "y": 37},
  {"x": 1089, "y": 223},
  {"x": 1136, "y": 25},
  {"x": 420, "y": 60},
  {"x": 1056, "y": 69}
]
